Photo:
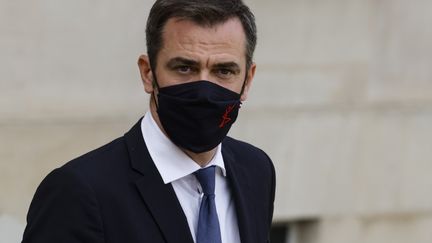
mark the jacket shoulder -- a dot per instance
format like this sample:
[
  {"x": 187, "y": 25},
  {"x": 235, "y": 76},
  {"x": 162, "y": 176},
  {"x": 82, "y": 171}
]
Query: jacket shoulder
[
  {"x": 249, "y": 156},
  {"x": 101, "y": 162},
  {"x": 245, "y": 151}
]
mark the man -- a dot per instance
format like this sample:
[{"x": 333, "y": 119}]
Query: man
[{"x": 174, "y": 177}]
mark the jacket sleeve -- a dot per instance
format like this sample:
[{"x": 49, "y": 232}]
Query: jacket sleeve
[
  {"x": 271, "y": 196},
  {"x": 64, "y": 209},
  {"x": 272, "y": 192}
]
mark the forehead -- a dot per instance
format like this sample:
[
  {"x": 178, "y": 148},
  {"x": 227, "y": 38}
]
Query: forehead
[{"x": 186, "y": 35}]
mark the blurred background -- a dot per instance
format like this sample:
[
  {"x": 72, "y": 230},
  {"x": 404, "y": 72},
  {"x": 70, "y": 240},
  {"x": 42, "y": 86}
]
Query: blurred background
[{"x": 342, "y": 102}]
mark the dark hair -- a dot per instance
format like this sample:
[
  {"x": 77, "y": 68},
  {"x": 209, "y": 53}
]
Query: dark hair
[{"x": 202, "y": 12}]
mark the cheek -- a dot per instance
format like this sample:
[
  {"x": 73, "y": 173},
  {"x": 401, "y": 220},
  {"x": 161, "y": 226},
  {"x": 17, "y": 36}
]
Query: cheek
[
  {"x": 164, "y": 78},
  {"x": 168, "y": 79},
  {"x": 235, "y": 86}
]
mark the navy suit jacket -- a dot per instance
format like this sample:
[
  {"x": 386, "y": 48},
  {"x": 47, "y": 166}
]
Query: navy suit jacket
[{"x": 115, "y": 194}]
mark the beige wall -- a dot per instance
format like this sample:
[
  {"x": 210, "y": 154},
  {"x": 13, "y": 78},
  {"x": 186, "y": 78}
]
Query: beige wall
[{"x": 342, "y": 102}]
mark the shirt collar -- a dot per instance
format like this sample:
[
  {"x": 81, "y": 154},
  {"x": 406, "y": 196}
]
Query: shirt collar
[{"x": 171, "y": 162}]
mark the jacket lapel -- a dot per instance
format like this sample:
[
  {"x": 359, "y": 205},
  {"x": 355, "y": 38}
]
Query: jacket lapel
[
  {"x": 159, "y": 198},
  {"x": 242, "y": 193}
]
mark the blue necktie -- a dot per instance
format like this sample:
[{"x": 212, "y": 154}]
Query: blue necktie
[{"x": 208, "y": 223}]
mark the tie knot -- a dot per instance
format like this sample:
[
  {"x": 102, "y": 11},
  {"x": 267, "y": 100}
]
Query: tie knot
[{"x": 206, "y": 178}]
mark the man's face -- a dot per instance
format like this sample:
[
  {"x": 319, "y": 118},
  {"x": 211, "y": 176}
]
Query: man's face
[{"x": 191, "y": 52}]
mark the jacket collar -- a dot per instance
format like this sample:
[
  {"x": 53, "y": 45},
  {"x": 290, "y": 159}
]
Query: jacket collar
[
  {"x": 159, "y": 198},
  {"x": 242, "y": 194}
]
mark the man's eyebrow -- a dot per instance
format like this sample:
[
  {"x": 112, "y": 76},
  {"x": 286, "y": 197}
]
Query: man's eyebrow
[
  {"x": 228, "y": 65},
  {"x": 176, "y": 61}
]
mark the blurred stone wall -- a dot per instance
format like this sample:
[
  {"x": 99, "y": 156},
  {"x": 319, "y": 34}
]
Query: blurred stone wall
[{"x": 342, "y": 102}]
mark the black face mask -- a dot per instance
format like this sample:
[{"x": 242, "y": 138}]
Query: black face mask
[{"x": 197, "y": 115}]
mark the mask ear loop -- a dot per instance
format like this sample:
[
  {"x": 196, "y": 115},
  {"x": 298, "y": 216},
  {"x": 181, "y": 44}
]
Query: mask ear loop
[
  {"x": 155, "y": 85},
  {"x": 244, "y": 83}
]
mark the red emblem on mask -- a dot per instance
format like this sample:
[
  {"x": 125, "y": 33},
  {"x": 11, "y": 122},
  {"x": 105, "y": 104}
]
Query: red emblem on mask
[{"x": 225, "y": 117}]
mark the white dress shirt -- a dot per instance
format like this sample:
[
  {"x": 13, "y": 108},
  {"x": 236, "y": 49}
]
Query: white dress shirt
[{"x": 177, "y": 168}]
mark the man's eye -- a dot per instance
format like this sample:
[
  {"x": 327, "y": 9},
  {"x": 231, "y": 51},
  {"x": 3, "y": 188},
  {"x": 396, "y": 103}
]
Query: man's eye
[
  {"x": 184, "y": 69},
  {"x": 225, "y": 72}
]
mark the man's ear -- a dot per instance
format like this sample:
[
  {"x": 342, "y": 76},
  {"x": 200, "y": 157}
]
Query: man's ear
[
  {"x": 248, "y": 84},
  {"x": 146, "y": 73}
]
